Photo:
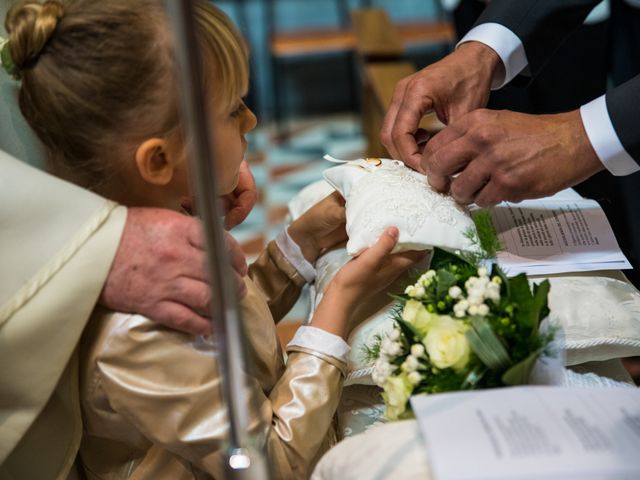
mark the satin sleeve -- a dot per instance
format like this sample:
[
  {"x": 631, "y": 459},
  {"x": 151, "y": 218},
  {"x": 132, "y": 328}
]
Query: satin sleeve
[
  {"x": 167, "y": 385},
  {"x": 278, "y": 280}
]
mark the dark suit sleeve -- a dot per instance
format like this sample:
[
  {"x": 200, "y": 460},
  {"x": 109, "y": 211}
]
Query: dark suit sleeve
[
  {"x": 541, "y": 25},
  {"x": 623, "y": 104}
]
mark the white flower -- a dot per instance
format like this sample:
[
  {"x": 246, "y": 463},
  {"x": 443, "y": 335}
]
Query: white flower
[
  {"x": 473, "y": 309},
  {"x": 389, "y": 347},
  {"x": 381, "y": 370},
  {"x": 397, "y": 390},
  {"x": 416, "y": 314},
  {"x": 483, "y": 310},
  {"x": 394, "y": 334},
  {"x": 414, "y": 378},
  {"x": 493, "y": 292},
  {"x": 482, "y": 272},
  {"x": 455, "y": 292},
  {"x": 475, "y": 299},
  {"x": 446, "y": 343},
  {"x": 410, "y": 364},
  {"x": 460, "y": 308},
  {"x": 417, "y": 350},
  {"x": 470, "y": 283},
  {"x": 415, "y": 291}
]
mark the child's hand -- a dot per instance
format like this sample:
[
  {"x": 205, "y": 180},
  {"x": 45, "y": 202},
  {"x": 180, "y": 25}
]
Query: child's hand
[
  {"x": 364, "y": 276},
  {"x": 321, "y": 227}
]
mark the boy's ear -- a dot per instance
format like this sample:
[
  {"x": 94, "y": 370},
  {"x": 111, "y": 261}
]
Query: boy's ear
[{"x": 154, "y": 162}]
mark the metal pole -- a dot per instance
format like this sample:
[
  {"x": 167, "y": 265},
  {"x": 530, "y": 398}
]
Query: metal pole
[{"x": 244, "y": 459}]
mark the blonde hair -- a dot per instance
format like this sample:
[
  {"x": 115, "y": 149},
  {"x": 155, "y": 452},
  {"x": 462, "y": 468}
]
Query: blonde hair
[{"x": 98, "y": 77}]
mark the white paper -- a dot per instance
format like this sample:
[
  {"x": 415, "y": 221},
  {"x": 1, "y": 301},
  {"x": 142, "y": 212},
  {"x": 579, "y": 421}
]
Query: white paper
[
  {"x": 555, "y": 235},
  {"x": 523, "y": 433}
]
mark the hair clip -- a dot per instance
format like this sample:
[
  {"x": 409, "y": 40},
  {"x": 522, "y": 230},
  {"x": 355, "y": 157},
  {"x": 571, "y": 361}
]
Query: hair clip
[{"x": 6, "y": 59}]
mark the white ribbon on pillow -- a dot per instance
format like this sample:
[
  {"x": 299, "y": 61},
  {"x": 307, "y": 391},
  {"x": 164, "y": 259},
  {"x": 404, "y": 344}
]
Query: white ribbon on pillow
[{"x": 380, "y": 193}]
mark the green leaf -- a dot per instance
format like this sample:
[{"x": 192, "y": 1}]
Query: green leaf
[
  {"x": 520, "y": 295},
  {"x": 442, "y": 259},
  {"x": 519, "y": 373},
  {"x": 444, "y": 280},
  {"x": 539, "y": 304},
  {"x": 486, "y": 344},
  {"x": 409, "y": 331},
  {"x": 486, "y": 235}
]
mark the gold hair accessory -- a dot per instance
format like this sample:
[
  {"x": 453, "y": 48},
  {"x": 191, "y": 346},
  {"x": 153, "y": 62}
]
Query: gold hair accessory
[{"x": 5, "y": 58}]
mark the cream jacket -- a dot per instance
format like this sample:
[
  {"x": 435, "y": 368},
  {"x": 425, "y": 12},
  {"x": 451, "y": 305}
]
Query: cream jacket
[
  {"x": 57, "y": 243},
  {"x": 151, "y": 396}
]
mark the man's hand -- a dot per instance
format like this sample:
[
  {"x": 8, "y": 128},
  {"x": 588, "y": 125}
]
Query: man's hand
[
  {"x": 457, "y": 84},
  {"x": 503, "y": 155},
  {"x": 239, "y": 203},
  {"x": 159, "y": 270},
  {"x": 321, "y": 227}
]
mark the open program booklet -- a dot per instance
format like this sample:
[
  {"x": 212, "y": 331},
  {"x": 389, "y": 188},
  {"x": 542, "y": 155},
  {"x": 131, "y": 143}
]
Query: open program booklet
[
  {"x": 562, "y": 233},
  {"x": 527, "y": 433}
]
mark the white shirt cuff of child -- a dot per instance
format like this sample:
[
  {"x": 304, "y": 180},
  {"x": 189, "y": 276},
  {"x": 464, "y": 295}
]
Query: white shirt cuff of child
[
  {"x": 321, "y": 341},
  {"x": 292, "y": 252}
]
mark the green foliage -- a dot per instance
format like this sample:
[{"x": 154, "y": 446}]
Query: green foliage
[
  {"x": 486, "y": 344},
  {"x": 505, "y": 340},
  {"x": 370, "y": 353}
]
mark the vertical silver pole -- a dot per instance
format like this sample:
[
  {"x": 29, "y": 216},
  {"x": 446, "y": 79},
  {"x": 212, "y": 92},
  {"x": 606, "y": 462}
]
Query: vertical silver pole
[{"x": 244, "y": 460}]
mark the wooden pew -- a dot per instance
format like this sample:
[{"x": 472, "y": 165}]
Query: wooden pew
[{"x": 382, "y": 63}]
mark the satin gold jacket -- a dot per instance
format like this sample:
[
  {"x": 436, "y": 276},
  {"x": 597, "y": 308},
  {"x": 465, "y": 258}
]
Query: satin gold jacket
[{"x": 151, "y": 399}]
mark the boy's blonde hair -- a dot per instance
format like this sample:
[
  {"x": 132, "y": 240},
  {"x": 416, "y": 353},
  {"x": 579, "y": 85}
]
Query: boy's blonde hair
[{"x": 98, "y": 77}]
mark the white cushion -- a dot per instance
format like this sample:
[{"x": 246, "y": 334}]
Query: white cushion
[
  {"x": 390, "y": 194},
  {"x": 600, "y": 317}
]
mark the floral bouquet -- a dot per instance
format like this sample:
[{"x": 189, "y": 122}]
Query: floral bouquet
[{"x": 460, "y": 326}]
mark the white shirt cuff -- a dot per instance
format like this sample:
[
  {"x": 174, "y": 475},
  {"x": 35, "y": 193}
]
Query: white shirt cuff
[
  {"x": 506, "y": 44},
  {"x": 321, "y": 341},
  {"x": 292, "y": 252},
  {"x": 604, "y": 139}
]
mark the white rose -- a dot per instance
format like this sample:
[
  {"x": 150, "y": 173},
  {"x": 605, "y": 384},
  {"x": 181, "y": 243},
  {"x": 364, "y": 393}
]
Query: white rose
[
  {"x": 446, "y": 343},
  {"x": 483, "y": 310},
  {"x": 416, "y": 314},
  {"x": 397, "y": 390}
]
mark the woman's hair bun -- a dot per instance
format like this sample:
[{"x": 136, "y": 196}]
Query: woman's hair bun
[{"x": 30, "y": 25}]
